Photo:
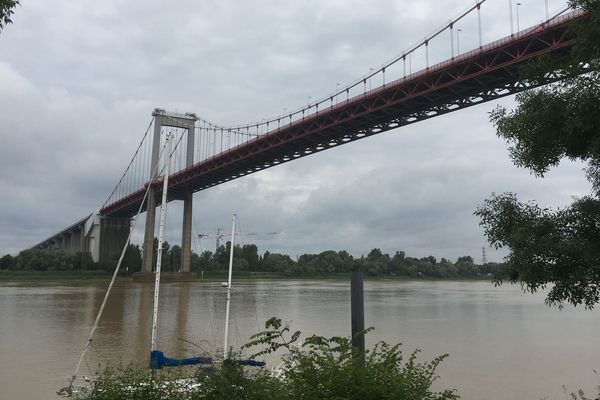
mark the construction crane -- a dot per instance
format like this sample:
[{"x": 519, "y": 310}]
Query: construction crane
[{"x": 219, "y": 235}]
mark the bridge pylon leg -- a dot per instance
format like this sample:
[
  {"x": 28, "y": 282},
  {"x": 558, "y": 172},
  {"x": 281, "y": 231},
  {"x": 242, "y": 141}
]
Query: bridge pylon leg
[
  {"x": 186, "y": 234},
  {"x": 147, "y": 256}
]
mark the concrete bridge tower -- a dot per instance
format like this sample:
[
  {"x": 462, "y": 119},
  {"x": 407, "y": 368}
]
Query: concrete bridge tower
[{"x": 187, "y": 122}]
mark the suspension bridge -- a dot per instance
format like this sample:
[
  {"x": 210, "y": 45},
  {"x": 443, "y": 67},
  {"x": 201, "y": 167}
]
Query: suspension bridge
[{"x": 207, "y": 154}]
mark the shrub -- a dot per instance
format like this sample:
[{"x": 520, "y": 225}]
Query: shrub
[
  {"x": 330, "y": 368},
  {"x": 319, "y": 369}
]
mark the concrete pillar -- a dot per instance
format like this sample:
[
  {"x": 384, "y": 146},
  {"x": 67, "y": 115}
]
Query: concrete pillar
[
  {"x": 357, "y": 314},
  {"x": 113, "y": 237},
  {"x": 151, "y": 208},
  {"x": 66, "y": 246},
  {"x": 149, "y": 233},
  {"x": 75, "y": 240},
  {"x": 186, "y": 234},
  {"x": 80, "y": 240},
  {"x": 72, "y": 242},
  {"x": 92, "y": 237}
]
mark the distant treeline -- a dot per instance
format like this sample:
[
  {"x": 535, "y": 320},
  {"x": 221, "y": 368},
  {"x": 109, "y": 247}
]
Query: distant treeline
[
  {"x": 247, "y": 260},
  {"x": 376, "y": 263},
  {"x": 48, "y": 260}
]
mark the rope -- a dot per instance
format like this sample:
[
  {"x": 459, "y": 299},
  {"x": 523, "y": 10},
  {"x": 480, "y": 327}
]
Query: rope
[
  {"x": 239, "y": 226},
  {"x": 115, "y": 273},
  {"x": 204, "y": 295},
  {"x": 112, "y": 281},
  {"x": 118, "y": 267}
]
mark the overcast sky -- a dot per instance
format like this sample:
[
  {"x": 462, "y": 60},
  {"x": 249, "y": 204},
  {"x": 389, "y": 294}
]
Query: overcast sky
[{"x": 79, "y": 80}]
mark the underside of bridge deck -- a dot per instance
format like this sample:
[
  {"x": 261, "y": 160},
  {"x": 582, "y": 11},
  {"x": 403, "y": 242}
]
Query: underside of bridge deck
[{"x": 484, "y": 74}]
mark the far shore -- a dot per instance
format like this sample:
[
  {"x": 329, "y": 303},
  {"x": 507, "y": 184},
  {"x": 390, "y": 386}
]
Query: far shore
[{"x": 7, "y": 275}]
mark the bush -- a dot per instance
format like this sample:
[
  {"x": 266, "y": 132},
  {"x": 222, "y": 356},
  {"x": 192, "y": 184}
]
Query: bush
[
  {"x": 330, "y": 368},
  {"x": 130, "y": 382},
  {"x": 320, "y": 369}
]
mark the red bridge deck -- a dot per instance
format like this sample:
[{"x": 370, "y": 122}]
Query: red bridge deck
[{"x": 481, "y": 75}]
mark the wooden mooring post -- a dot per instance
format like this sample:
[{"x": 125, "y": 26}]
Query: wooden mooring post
[{"x": 357, "y": 314}]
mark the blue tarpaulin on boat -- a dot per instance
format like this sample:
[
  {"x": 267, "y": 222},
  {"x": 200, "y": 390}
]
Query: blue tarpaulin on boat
[
  {"x": 248, "y": 363},
  {"x": 159, "y": 360}
]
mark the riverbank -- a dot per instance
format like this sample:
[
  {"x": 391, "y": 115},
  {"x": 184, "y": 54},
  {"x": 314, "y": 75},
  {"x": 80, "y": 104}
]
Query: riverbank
[
  {"x": 52, "y": 275},
  {"x": 241, "y": 276}
]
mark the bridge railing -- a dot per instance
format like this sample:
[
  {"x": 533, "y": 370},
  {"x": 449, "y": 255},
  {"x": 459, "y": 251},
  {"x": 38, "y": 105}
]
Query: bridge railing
[
  {"x": 437, "y": 50},
  {"x": 418, "y": 57}
]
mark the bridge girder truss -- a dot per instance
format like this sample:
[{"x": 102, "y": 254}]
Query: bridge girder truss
[{"x": 482, "y": 75}]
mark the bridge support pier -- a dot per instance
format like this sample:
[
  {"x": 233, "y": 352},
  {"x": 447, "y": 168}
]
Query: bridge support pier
[
  {"x": 113, "y": 236},
  {"x": 71, "y": 240},
  {"x": 147, "y": 256},
  {"x": 186, "y": 234},
  {"x": 76, "y": 241}
]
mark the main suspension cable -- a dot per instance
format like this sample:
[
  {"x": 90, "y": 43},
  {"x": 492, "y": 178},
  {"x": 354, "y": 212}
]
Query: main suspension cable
[{"x": 130, "y": 163}]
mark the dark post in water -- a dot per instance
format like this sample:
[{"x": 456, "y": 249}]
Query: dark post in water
[{"x": 357, "y": 313}]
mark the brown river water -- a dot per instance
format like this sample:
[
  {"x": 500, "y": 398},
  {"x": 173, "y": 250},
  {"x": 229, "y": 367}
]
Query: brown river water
[{"x": 503, "y": 344}]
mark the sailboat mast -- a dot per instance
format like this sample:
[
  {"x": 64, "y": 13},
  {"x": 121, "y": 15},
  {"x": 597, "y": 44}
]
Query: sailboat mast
[
  {"x": 225, "y": 344},
  {"x": 161, "y": 236}
]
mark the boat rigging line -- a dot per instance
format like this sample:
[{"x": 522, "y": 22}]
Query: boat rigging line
[{"x": 69, "y": 389}]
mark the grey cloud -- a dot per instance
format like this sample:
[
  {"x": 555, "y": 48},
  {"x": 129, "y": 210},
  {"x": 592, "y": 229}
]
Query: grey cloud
[{"x": 79, "y": 81}]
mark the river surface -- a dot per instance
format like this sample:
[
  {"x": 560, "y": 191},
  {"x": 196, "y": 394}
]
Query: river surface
[{"x": 503, "y": 344}]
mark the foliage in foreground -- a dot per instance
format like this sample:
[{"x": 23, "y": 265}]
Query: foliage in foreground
[
  {"x": 330, "y": 368},
  {"x": 6, "y": 10},
  {"x": 580, "y": 395},
  {"x": 135, "y": 383},
  {"x": 320, "y": 368},
  {"x": 558, "y": 247}
]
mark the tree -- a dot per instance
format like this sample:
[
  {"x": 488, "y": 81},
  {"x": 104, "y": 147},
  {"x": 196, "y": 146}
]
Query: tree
[
  {"x": 562, "y": 120},
  {"x": 275, "y": 262},
  {"x": 203, "y": 262},
  {"x": 221, "y": 255},
  {"x": 174, "y": 259},
  {"x": 164, "y": 257},
  {"x": 6, "y": 10},
  {"x": 132, "y": 261},
  {"x": 465, "y": 267},
  {"x": 84, "y": 261},
  {"x": 250, "y": 254},
  {"x": 6, "y": 262},
  {"x": 346, "y": 261},
  {"x": 376, "y": 263}
]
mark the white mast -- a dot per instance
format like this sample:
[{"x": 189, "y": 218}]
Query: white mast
[
  {"x": 229, "y": 287},
  {"x": 161, "y": 235}
]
